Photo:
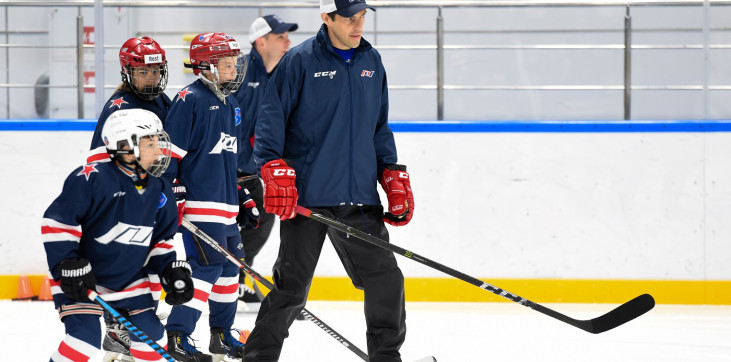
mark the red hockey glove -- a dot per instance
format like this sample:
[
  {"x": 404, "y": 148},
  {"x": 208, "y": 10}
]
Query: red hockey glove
[
  {"x": 248, "y": 213},
  {"x": 395, "y": 181},
  {"x": 179, "y": 191},
  {"x": 280, "y": 192}
]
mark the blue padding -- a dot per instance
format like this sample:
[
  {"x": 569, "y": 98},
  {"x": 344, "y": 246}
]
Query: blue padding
[
  {"x": 47, "y": 124},
  {"x": 562, "y": 126},
  {"x": 445, "y": 126}
]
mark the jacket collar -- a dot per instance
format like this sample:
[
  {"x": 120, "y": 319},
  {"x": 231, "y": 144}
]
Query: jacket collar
[{"x": 255, "y": 60}]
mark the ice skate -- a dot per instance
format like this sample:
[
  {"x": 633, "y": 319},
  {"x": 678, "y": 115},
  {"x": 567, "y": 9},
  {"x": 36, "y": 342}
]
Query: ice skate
[
  {"x": 223, "y": 344},
  {"x": 180, "y": 348},
  {"x": 116, "y": 344}
]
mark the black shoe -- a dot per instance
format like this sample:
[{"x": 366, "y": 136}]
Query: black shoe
[
  {"x": 180, "y": 348},
  {"x": 224, "y": 344}
]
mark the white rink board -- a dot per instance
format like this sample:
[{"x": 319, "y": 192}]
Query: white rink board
[{"x": 501, "y": 205}]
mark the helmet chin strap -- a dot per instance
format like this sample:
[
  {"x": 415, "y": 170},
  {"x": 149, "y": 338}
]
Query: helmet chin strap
[{"x": 135, "y": 170}]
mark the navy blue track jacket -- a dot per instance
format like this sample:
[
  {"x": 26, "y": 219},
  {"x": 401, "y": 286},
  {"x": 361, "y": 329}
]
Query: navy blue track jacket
[{"x": 329, "y": 118}]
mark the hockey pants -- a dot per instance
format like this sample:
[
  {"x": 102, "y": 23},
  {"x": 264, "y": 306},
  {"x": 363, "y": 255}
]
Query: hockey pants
[
  {"x": 83, "y": 335},
  {"x": 372, "y": 269}
]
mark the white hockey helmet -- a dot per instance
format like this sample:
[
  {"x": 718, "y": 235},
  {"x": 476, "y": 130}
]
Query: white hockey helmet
[{"x": 126, "y": 127}]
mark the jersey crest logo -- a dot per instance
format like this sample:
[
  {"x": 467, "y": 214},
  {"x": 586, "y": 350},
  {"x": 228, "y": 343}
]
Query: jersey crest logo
[
  {"x": 367, "y": 73},
  {"x": 226, "y": 143},
  {"x": 86, "y": 170},
  {"x": 183, "y": 93},
  {"x": 163, "y": 201},
  {"x": 127, "y": 234},
  {"x": 118, "y": 103},
  {"x": 237, "y": 119}
]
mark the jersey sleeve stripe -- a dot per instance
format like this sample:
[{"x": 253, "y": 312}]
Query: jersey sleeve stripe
[{"x": 98, "y": 154}]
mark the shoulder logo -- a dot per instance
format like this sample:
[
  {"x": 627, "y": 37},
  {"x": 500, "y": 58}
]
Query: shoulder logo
[
  {"x": 367, "y": 73},
  {"x": 87, "y": 170},
  {"x": 183, "y": 93},
  {"x": 163, "y": 200},
  {"x": 327, "y": 73},
  {"x": 118, "y": 103},
  {"x": 237, "y": 116}
]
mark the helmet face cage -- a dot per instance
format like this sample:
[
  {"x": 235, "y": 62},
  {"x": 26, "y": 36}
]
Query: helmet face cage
[
  {"x": 136, "y": 53},
  {"x": 206, "y": 53},
  {"x": 241, "y": 65},
  {"x": 146, "y": 92},
  {"x": 127, "y": 128}
]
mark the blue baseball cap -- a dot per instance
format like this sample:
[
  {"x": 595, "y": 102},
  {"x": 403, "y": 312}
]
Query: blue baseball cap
[{"x": 344, "y": 8}]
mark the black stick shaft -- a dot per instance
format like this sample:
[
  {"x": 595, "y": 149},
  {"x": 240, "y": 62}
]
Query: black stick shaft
[
  {"x": 622, "y": 314},
  {"x": 258, "y": 277}
]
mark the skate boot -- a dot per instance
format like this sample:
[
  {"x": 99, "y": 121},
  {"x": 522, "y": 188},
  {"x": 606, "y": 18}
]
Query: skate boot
[
  {"x": 116, "y": 344},
  {"x": 180, "y": 348},
  {"x": 224, "y": 344}
]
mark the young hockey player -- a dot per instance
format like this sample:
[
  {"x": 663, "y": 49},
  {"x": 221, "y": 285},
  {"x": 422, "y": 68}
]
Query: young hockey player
[
  {"x": 204, "y": 124},
  {"x": 111, "y": 226},
  {"x": 144, "y": 70},
  {"x": 269, "y": 37},
  {"x": 323, "y": 140}
]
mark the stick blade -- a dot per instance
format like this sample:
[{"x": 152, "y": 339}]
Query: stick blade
[{"x": 622, "y": 314}]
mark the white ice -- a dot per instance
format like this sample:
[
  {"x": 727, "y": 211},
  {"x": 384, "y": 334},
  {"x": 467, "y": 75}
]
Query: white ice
[{"x": 450, "y": 331}]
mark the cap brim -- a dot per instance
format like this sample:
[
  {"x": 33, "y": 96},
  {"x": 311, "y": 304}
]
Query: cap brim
[
  {"x": 282, "y": 27},
  {"x": 353, "y": 9}
]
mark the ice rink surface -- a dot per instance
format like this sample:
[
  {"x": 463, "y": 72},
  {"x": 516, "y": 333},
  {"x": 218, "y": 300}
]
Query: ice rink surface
[{"x": 449, "y": 331}]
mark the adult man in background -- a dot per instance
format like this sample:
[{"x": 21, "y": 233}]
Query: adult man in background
[
  {"x": 323, "y": 140},
  {"x": 269, "y": 37}
]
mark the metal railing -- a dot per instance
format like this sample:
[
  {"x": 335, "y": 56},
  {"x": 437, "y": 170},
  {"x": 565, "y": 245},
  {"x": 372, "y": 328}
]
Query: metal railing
[{"x": 440, "y": 47}]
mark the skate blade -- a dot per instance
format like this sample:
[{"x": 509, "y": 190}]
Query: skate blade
[{"x": 224, "y": 358}]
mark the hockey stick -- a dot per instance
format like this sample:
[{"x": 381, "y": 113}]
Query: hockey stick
[
  {"x": 247, "y": 269},
  {"x": 130, "y": 327},
  {"x": 620, "y": 315}
]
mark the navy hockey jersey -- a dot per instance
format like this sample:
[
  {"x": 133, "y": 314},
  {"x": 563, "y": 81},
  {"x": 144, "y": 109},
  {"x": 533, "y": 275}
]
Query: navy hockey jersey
[
  {"x": 100, "y": 216},
  {"x": 248, "y": 97},
  {"x": 122, "y": 99},
  {"x": 205, "y": 134}
]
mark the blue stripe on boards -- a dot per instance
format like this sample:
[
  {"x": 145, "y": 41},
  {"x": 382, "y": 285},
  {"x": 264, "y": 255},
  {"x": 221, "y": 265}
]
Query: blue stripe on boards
[
  {"x": 446, "y": 126},
  {"x": 561, "y": 126},
  {"x": 47, "y": 124}
]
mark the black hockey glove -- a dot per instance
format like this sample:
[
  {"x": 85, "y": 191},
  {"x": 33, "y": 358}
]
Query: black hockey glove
[
  {"x": 178, "y": 283},
  {"x": 179, "y": 191},
  {"x": 76, "y": 279},
  {"x": 248, "y": 213}
]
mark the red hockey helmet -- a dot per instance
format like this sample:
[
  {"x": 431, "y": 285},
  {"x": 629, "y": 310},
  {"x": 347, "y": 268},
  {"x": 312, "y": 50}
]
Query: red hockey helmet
[
  {"x": 205, "y": 52},
  {"x": 144, "y": 52}
]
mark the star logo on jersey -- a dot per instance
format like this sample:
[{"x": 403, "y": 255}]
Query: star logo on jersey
[
  {"x": 118, "y": 102},
  {"x": 183, "y": 93},
  {"x": 86, "y": 170}
]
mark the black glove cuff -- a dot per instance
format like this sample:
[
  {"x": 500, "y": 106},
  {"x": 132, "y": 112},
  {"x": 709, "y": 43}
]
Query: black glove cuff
[
  {"x": 396, "y": 167},
  {"x": 180, "y": 264},
  {"x": 77, "y": 268}
]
